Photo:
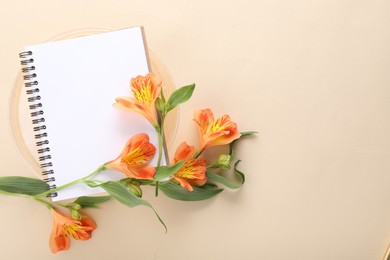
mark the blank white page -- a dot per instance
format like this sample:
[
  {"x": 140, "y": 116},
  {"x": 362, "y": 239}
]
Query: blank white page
[{"x": 79, "y": 80}]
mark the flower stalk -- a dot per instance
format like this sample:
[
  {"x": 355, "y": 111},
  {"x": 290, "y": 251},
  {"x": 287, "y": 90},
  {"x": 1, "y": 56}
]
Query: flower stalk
[{"x": 81, "y": 180}]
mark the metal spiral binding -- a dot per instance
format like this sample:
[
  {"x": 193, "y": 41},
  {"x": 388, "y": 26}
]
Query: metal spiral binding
[{"x": 30, "y": 79}]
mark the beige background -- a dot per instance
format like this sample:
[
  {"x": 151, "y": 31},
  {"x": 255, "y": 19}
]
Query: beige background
[{"x": 312, "y": 77}]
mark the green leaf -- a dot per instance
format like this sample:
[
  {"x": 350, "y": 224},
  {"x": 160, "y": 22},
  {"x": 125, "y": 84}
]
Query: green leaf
[
  {"x": 164, "y": 172},
  {"x": 243, "y": 134},
  {"x": 91, "y": 202},
  {"x": 177, "y": 192},
  {"x": 92, "y": 183},
  {"x": 248, "y": 133},
  {"x": 240, "y": 173},
  {"x": 220, "y": 179},
  {"x": 145, "y": 182},
  {"x": 180, "y": 96},
  {"x": 209, "y": 186},
  {"x": 22, "y": 185},
  {"x": 119, "y": 192}
]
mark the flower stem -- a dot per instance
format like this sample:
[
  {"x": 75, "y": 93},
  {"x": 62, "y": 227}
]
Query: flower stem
[
  {"x": 160, "y": 132},
  {"x": 48, "y": 204},
  {"x": 101, "y": 168}
]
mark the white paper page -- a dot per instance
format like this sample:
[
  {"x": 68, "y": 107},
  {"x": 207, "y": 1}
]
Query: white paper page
[{"x": 79, "y": 80}]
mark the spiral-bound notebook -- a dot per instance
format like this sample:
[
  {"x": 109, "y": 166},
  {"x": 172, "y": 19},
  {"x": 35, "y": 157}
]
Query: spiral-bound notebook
[{"x": 71, "y": 86}]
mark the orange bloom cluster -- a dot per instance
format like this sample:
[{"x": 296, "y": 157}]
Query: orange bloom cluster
[
  {"x": 211, "y": 133},
  {"x": 138, "y": 151}
]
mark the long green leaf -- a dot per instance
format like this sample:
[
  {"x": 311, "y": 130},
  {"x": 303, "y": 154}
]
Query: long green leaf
[
  {"x": 119, "y": 192},
  {"x": 91, "y": 202},
  {"x": 164, "y": 172},
  {"x": 240, "y": 173},
  {"x": 180, "y": 96},
  {"x": 220, "y": 179},
  {"x": 177, "y": 192},
  {"x": 22, "y": 185},
  {"x": 122, "y": 194}
]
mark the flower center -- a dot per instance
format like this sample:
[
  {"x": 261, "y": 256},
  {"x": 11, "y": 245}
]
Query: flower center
[
  {"x": 220, "y": 125},
  {"x": 144, "y": 93},
  {"x": 138, "y": 155},
  {"x": 193, "y": 169},
  {"x": 72, "y": 230}
]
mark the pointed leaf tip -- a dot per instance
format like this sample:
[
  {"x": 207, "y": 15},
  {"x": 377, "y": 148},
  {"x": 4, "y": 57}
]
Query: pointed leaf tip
[{"x": 180, "y": 96}]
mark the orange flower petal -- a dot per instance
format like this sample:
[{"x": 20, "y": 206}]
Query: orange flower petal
[
  {"x": 59, "y": 243},
  {"x": 198, "y": 182},
  {"x": 184, "y": 183},
  {"x": 135, "y": 156},
  {"x": 183, "y": 152},
  {"x": 214, "y": 132},
  {"x": 144, "y": 172},
  {"x": 146, "y": 110}
]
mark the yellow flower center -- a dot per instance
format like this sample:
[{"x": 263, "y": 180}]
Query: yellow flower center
[
  {"x": 72, "y": 230},
  {"x": 138, "y": 155},
  {"x": 192, "y": 169},
  {"x": 144, "y": 93},
  {"x": 219, "y": 125}
]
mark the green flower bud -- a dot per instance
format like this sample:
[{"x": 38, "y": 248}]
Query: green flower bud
[
  {"x": 224, "y": 161},
  {"x": 75, "y": 214},
  {"x": 135, "y": 189},
  {"x": 160, "y": 106},
  {"x": 73, "y": 206},
  {"x": 133, "y": 186},
  {"x": 76, "y": 206}
]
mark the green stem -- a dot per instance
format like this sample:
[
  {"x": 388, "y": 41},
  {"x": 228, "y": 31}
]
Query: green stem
[
  {"x": 160, "y": 143},
  {"x": 213, "y": 166},
  {"x": 101, "y": 168},
  {"x": 49, "y": 204},
  {"x": 160, "y": 132}
]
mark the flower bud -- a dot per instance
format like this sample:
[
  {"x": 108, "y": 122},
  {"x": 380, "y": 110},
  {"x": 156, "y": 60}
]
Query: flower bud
[
  {"x": 160, "y": 106},
  {"x": 224, "y": 161},
  {"x": 133, "y": 186},
  {"x": 75, "y": 214},
  {"x": 75, "y": 206},
  {"x": 135, "y": 189}
]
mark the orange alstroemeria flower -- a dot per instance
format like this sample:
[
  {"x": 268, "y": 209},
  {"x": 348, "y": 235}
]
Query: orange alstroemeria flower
[
  {"x": 193, "y": 172},
  {"x": 214, "y": 132},
  {"x": 134, "y": 158},
  {"x": 146, "y": 90},
  {"x": 66, "y": 227}
]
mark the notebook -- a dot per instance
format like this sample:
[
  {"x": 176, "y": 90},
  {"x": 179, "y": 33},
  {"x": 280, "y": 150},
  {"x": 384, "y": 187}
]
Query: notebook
[{"x": 71, "y": 86}]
